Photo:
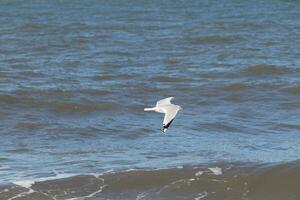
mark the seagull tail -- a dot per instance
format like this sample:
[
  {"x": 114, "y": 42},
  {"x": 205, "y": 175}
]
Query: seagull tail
[{"x": 149, "y": 109}]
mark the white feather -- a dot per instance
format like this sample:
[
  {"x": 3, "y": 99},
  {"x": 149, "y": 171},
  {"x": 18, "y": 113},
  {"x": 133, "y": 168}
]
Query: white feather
[{"x": 170, "y": 110}]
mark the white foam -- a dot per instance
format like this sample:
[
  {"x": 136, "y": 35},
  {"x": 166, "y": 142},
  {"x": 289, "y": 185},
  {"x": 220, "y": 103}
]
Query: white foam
[
  {"x": 29, "y": 183},
  {"x": 199, "y": 173},
  {"x": 110, "y": 171},
  {"x": 216, "y": 170},
  {"x": 22, "y": 194},
  {"x": 92, "y": 194},
  {"x": 141, "y": 196},
  {"x": 131, "y": 170},
  {"x": 4, "y": 167},
  {"x": 146, "y": 170},
  {"x": 201, "y": 195},
  {"x": 25, "y": 183},
  {"x": 216, "y": 180}
]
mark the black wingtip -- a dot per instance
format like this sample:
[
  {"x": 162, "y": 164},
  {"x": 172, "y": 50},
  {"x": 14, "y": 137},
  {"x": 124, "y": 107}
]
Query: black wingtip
[{"x": 165, "y": 127}]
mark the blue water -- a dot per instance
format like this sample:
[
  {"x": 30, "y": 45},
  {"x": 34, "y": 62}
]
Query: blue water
[{"x": 75, "y": 77}]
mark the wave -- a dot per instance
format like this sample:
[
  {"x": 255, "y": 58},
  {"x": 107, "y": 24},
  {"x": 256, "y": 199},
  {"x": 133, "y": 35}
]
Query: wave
[
  {"x": 60, "y": 106},
  {"x": 169, "y": 79},
  {"x": 263, "y": 69},
  {"x": 294, "y": 90},
  {"x": 214, "y": 181},
  {"x": 214, "y": 39},
  {"x": 60, "y": 100},
  {"x": 22, "y": 74},
  {"x": 81, "y": 107},
  {"x": 8, "y": 99},
  {"x": 236, "y": 86},
  {"x": 53, "y": 92},
  {"x": 31, "y": 26}
]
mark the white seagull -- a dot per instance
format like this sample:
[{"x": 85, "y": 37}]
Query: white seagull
[{"x": 170, "y": 110}]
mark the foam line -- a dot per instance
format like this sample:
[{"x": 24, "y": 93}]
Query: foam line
[
  {"x": 216, "y": 170},
  {"x": 92, "y": 194}
]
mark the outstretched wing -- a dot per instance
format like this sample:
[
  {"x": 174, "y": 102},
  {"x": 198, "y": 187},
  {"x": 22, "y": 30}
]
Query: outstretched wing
[
  {"x": 166, "y": 101},
  {"x": 171, "y": 112}
]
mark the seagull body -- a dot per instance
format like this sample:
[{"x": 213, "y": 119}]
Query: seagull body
[{"x": 170, "y": 110}]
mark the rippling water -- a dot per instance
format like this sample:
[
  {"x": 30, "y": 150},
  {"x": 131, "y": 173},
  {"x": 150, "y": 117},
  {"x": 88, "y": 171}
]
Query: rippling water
[{"x": 75, "y": 77}]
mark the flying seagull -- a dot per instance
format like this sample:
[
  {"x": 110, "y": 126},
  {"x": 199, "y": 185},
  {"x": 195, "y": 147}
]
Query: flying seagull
[{"x": 170, "y": 110}]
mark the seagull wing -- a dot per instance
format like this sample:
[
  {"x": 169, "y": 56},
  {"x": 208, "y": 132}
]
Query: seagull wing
[
  {"x": 166, "y": 101},
  {"x": 170, "y": 113}
]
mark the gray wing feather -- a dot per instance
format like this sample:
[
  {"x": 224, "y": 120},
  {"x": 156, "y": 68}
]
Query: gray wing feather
[
  {"x": 166, "y": 101},
  {"x": 171, "y": 112}
]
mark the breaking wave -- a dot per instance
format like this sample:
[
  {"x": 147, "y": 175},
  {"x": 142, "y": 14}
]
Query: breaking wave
[{"x": 219, "y": 181}]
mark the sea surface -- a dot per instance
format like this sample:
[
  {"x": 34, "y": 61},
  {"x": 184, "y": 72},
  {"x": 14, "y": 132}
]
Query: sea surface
[{"x": 75, "y": 77}]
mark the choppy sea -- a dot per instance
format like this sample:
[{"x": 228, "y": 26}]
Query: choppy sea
[{"x": 76, "y": 75}]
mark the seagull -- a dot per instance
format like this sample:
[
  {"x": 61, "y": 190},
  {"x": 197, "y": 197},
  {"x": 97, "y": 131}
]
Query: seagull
[{"x": 170, "y": 110}]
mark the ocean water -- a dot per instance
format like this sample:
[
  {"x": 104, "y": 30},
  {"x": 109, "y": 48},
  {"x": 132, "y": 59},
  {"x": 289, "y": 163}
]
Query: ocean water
[{"x": 76, "y": 75}]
